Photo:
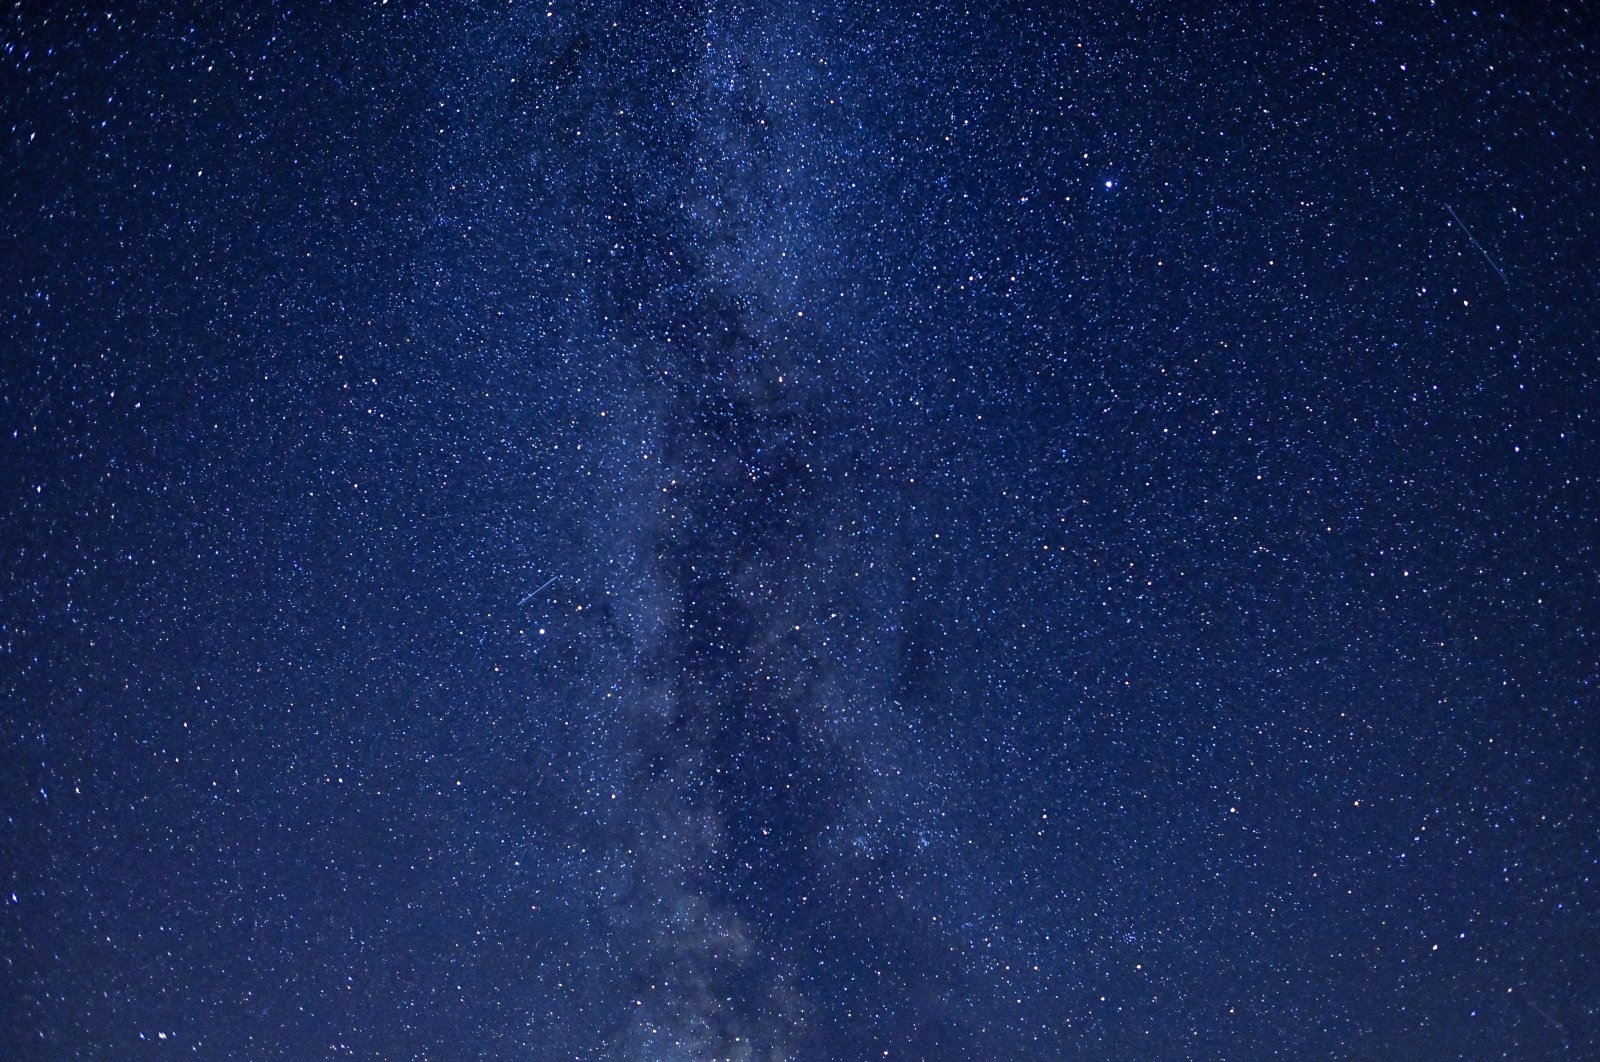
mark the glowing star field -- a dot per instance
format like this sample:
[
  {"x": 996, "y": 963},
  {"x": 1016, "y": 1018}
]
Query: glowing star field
[{"x": 778, "y": 531}]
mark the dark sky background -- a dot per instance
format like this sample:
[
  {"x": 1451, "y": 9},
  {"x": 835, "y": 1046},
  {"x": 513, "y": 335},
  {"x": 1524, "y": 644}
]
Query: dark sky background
[{"x": 807, "y": 531}]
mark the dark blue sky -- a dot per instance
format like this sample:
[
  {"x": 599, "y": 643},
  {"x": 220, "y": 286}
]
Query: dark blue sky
[{"x": 799, "y": 531}]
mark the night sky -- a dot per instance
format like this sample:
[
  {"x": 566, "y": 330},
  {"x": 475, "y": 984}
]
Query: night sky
[{"x": 815, "y": 531}]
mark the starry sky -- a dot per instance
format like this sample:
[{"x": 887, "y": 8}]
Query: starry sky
[{"x": 541, "y": 529}]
